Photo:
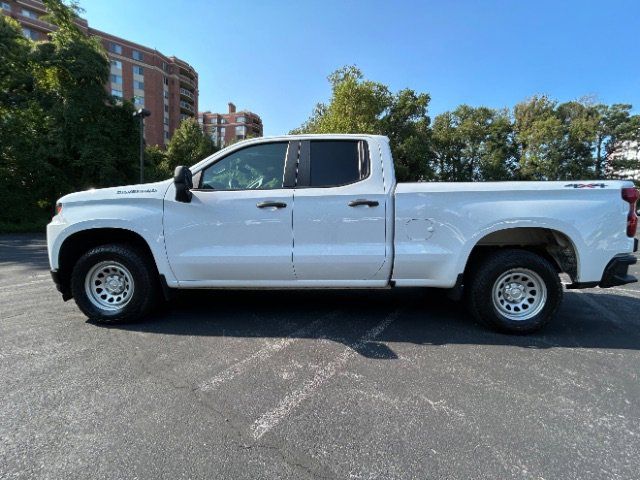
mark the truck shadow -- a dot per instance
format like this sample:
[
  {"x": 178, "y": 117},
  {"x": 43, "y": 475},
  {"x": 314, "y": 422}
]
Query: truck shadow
[{"x": 417, "y": 316}]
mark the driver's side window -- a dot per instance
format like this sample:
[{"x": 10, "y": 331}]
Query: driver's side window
[{"x": 259, "y": 167}]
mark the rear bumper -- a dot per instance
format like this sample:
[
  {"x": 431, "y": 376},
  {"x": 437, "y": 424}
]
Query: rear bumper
[{"x": 616, "y": 273}]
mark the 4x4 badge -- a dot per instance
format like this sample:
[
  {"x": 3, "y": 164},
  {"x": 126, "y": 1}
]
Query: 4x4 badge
[{"x": 586, "y": 185}]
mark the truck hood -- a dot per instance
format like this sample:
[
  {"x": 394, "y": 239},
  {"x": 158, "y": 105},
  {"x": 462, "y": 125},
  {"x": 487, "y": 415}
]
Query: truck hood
[{"x": 154, "y": 190}]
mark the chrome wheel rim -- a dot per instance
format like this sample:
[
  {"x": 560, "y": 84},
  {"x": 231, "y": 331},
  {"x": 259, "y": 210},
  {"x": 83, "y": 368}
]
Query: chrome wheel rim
[
  {"x": 519, "y": 294},
  {"x": 109, "y": 286}
]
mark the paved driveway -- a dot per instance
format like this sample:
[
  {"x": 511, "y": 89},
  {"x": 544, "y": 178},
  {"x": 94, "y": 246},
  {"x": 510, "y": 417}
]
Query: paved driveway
[{"x": 362, "y": 385}]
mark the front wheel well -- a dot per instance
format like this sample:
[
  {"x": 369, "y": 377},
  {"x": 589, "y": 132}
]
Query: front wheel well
[
  {"x": 81, "y": 242},
  {"x": 550, "y": 244}
]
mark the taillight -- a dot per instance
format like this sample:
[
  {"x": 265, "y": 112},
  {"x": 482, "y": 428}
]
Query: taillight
[
  {"x": 58, "y": 208},
  {"x": 631, "y": 195}
]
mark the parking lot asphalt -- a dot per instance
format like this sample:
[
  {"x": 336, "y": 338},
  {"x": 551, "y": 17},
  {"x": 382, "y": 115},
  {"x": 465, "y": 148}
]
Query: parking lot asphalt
[{"x": 330, "y": 384}]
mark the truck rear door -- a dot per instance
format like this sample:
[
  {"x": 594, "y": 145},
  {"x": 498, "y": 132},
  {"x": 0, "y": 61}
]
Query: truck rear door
[{"x": 339, "y": 213}]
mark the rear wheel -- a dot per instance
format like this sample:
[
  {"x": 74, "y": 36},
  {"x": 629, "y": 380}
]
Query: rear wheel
[
  {"x": 114, "y": 284},
  {"x": 514, "y": 291}
]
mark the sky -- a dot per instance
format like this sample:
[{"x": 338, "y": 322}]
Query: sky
[{"x": 273, "y": 57}]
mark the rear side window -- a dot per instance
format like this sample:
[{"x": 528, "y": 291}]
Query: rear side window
[{"x": 339, "y": 162}]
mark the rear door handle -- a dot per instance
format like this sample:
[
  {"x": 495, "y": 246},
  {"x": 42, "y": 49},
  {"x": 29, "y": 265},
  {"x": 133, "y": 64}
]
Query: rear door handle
[
  {"x": 271, "y": 204},
  {"x": 362, "y": 201}
]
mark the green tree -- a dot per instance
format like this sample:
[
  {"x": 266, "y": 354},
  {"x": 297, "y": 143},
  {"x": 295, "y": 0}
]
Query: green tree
[
  {"x": 407, "y": 125},
  {"x": 538, "y": 134},
  {"x": 156, "y": 166},
  {"x": 96, "y": 138},
  {"x": 573, "y": 140},
  {"x": 575, "y": 158},
  {"x": 23, "y": 124},
  {"x": 188, "y": 145},
  {"x": 616, "y": 129},
  {"x": 447, "y": 146},
  {"x": 478, "y": 143},
  {"x": 358, "y": 105},
  {"x": 471, "y": 144},
  {"x": 59, "y": 128},
  {"x": 500, "y": 158},
  {"x": 537, "y": 139}
]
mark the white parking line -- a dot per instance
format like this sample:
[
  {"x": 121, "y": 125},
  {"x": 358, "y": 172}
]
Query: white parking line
[
  {"x": 270, "y": 419},
  {"x": 262, "y": 354}
]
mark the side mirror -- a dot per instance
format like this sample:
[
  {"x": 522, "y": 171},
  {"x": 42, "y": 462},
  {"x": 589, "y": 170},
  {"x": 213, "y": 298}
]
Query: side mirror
[{"x": 183, "y": 181}]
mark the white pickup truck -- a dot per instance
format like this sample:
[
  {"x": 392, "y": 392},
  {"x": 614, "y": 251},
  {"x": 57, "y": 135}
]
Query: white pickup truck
[{"x": 325, "y": 211}]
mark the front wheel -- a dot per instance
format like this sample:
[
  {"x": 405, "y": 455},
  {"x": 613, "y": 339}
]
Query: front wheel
[
  {"x": 514, "y": 291},
  {"x": 114, "y": 284}
]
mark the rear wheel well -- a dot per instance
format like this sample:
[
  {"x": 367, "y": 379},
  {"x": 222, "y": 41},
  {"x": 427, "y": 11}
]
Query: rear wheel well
[
  {"x": 81, "y": 242},
  {"x": 550, "y": 244}
]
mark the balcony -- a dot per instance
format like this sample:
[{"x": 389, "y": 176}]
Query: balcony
[
  {"x": 187, "y": 81},
  {"x": 186, "y": 93},
  {"x": 185, "y": 106},
  {"x": 186, "y": 73}
]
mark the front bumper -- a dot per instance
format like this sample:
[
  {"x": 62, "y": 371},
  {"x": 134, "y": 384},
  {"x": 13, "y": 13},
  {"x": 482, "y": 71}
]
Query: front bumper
[{"x": 60, "y": 286}]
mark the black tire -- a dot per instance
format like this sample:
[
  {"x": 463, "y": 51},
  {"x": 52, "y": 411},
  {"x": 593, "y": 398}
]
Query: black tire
[
  {"x": 144, "y": 280},
  {"x": 480, "y": 287}
]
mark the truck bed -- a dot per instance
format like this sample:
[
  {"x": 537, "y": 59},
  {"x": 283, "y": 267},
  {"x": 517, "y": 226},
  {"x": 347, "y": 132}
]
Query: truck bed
[{"x": 438, "y": 224}]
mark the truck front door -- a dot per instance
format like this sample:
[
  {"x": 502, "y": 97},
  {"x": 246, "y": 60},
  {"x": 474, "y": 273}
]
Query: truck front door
[{"x": 237, "y": 229}]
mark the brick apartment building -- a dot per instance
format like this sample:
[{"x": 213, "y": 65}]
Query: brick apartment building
[
  {"x": 227, "y": 128},
  {"x": 166, "y": 86}
]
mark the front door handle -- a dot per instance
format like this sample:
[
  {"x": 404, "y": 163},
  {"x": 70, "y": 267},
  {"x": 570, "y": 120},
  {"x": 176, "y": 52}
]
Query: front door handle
[
  {"x": 271, "y": 204},
  {"x": 362, "y": 201}
]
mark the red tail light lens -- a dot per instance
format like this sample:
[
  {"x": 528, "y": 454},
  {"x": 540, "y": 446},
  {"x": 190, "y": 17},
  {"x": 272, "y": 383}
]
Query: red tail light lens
[
  {"x": 631, "y": 196},
  {"x": 58, "y": 208}
]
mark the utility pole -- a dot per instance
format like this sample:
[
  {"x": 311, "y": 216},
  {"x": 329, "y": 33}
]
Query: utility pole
[{"x": 141, "y": 113}]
